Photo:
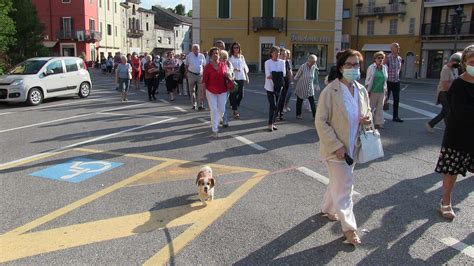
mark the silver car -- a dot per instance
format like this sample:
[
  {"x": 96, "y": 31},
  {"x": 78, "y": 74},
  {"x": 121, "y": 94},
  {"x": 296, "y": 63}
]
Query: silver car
[{"x": 36, "y": 79}]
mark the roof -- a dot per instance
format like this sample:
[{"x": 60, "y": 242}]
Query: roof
[
  {"x": 158, "y": 27},
  {"x": 140, "y": 9},
  {"x": 182, "y": 19}
]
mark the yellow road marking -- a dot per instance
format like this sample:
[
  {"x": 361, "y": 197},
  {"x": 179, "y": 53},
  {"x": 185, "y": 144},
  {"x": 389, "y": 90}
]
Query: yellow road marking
[
  {"x": 30, "y": 244},
  {"x": 173, "y": 248},
  {"x": 55, "y": 214}
]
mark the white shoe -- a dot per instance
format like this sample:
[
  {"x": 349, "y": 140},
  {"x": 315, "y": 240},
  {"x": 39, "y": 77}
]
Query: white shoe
[
  {"x": 288, "y": 109},
  {"x": 429, "y": 128}
]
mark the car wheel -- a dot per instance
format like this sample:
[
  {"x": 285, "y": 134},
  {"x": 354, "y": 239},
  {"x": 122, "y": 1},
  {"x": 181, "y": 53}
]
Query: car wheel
[
  {"x": 35, "y": 97},
  {"x": 84, "y": 90}
]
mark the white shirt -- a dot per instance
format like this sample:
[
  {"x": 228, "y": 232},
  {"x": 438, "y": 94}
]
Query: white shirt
[
  {"x": 270, "y": 66},
  {"x": 143, "y": 62},
  {"x": 239, "y": 64},
  {"x": 353, "y": 114},
  {"x": 195, "y": 63}
]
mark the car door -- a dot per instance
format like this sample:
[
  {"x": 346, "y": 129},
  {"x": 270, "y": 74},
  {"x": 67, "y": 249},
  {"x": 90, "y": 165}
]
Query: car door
[
  {"x": 73, "y": 75},
  {"x": 54, "y": 79}
]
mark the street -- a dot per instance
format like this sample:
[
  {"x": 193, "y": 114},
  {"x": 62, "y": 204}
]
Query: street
[{"x": 98, "y": 181}]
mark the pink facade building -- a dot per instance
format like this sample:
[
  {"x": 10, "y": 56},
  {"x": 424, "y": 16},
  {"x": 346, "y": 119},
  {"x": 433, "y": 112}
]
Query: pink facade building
[{"x": 70, "y": 27}]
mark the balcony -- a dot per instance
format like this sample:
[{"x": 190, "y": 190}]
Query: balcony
[
  {"x": 92, "y": 36},
  {"x": 382, "y": 10},
  {"x": 66, "y": 35},
  {"x": 133, "y": 33},
  {"x": 447, "y": 29},
  {"x": 267, "y": 23}
]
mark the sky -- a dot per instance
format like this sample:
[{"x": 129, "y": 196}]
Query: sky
[{"x": 167, "y": 3}]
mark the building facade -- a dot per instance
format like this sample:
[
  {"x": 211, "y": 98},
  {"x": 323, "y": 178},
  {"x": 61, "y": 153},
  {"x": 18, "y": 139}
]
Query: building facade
[
  {"x": 179, "y": 25},
  {"x": 378, "y": 23},
  {"x": 303, "y": 26},
  {"x": 447, "y": 27},
  {"x": 165, "y": 40},
  {"x": 70, "y": 27},
  {"x": 138, "y": 28},
  {"x": 110, "y": 14}
]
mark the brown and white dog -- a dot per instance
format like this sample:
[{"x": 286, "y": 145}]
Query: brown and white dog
[{"x": 205, "y": 184}]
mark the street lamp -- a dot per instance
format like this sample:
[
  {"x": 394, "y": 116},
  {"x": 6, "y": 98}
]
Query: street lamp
[
  {"x": 457, "y": 20},
  {"x": 359, "y": 6}
]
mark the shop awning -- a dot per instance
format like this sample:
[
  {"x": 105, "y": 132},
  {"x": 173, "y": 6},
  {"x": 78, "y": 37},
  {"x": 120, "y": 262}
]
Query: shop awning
[
  {"x": 49, "y": 44},
  {"x": 376, "y": 47}
]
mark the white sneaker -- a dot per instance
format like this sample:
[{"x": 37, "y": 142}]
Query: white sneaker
[
  {"x": 288, "y": 109},
  {"x": 285, "y": 110},
  {"x": 429, "y": 128}
]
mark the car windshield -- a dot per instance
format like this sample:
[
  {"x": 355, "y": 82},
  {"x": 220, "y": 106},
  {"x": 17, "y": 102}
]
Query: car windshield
[{"x": 29, "y": 67}]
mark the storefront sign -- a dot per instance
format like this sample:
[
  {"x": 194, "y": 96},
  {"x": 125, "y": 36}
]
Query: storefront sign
[{"x": 297, "y": 38}]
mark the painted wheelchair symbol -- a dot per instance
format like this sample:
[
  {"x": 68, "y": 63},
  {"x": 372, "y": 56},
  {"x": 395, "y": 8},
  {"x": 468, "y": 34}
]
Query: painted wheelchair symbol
[{"x": 78, "y": 168}]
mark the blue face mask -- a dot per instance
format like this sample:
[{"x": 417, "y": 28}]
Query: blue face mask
[
  {"x": 351, "y": 74},
  {"x": 470, "y": 70}
]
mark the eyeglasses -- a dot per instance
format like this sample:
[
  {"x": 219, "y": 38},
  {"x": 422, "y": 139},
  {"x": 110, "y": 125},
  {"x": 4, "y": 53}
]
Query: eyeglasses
[{"x": 349, "y": 65}]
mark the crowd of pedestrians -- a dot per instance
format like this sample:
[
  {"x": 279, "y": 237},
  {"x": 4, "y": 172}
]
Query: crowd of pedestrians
[{"x": 344, "y": 106}]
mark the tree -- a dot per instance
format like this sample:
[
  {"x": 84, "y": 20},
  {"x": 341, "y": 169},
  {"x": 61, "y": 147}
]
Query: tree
[
  {"x": 29, "y": 31},
  {"x": 180, "y": 9},
  {"x": 7, "y": 32},
  {"x": 190, "y": 13}
]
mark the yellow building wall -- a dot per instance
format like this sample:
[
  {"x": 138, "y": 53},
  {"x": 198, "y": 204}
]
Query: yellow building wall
[{"x": 236, "y": 27}]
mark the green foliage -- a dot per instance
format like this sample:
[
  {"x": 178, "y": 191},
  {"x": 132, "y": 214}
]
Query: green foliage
[
  {"x": 29, "y": 31},
  {"x": 180, "y": 10},
  {"x": 7, "y": 32},
  {"x": 190, "y": 13}
]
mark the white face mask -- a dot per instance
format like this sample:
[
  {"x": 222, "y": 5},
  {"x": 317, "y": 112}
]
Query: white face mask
[
  {"x": 351, "y": 74},
  {"x": 470, "y": 70}
]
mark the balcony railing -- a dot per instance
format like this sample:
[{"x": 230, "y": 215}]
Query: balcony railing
[
  {"x": 133, "y": 33},
  {"x": 448, "y": 29},
  {"x": 381, "y": 10},
  {"x": 264, "y": 23},
  {"x": 92, "y": 36},
  {"x": 80, "y": 35}
]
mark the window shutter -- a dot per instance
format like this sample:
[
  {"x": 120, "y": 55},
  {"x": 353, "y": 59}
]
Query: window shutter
[
  {"x": 267, "y": 8},
  {"x": 311, "y": 9},
  {"x": 61, "y": 25},
  {"x": 72, "y": 24}
]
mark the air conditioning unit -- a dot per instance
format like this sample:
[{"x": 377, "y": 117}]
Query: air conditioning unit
[{"x": 80, "y": 35}]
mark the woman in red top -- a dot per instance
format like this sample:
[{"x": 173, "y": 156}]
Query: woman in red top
[
  {"x": 214, "y": 86},
  {"x": 136, "y": 70}
]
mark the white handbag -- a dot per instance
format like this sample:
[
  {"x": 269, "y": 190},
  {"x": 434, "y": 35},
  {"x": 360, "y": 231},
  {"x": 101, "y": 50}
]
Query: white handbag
[{"x": 369, "y": 146}]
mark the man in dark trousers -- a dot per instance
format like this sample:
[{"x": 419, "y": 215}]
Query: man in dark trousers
[{"x": 394, "y": 64}]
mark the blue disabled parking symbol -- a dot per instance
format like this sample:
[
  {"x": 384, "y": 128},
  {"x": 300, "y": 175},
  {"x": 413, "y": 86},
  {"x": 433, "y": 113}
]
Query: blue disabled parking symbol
[{"x": 76, "y": 170}]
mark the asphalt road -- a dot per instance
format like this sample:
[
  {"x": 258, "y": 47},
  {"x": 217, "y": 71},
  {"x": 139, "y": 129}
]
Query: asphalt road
[{"x": 98, "y": 181}]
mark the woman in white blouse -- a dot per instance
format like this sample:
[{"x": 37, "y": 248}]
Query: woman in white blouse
[
  {"x": 241, "y": 71},
  {"x": 273, "y": 67},
  {"x": 342, "y": 107}
]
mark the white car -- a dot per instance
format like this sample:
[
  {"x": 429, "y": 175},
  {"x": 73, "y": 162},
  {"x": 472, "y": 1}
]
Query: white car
[{"x": 39, "y": 78}]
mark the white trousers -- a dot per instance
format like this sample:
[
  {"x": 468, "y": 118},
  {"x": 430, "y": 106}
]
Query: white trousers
[
  {"x": 338, "y": 197},
  {"x": 216, "y": 104}
]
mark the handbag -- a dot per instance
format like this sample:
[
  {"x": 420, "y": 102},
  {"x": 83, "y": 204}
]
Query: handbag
[
  {"x": 230, "y": 85},
  {"x": 369, "y": 145}
]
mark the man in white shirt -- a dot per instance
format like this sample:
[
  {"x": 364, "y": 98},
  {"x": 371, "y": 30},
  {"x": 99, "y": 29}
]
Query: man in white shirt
[{"x": 195, "y": 62}]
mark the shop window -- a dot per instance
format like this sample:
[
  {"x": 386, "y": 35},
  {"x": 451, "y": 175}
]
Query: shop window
[
  {"x": 224, "y": 9},
  {"x": 302, "y": 51},
  {"x": 267, "y": 8},
  {"x": 311, "y": 9},
  {"x": 370, "y": 27}
]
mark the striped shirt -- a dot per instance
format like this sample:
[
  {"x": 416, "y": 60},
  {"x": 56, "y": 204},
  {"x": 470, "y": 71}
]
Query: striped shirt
[
  {"x": 305, "y": 78},
  {"x": 394, "y": 64}
]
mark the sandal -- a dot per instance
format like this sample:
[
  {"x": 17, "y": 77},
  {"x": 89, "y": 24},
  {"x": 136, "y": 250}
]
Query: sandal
[
  {"x": 331, "y": 217},
  {"x": 446, "y": 211},
  {"x": 352, "y": 238}
]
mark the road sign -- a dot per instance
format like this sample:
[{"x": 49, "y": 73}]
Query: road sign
[{"x": 77, "y": 170}]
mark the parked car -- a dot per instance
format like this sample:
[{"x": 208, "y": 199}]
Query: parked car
[{"x": 40, "y": 78}]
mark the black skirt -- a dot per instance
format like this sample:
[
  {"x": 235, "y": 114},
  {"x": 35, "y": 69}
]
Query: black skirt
[
  {"x": 454, "y": 162},
  {"x": 171, "y": 83}
]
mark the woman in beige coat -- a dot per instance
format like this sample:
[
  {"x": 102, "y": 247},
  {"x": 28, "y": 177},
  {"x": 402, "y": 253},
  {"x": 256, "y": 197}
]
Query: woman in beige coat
[{"x": 342, "y": 107}]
